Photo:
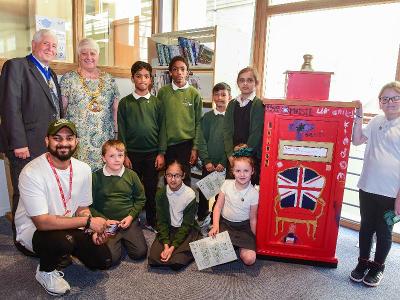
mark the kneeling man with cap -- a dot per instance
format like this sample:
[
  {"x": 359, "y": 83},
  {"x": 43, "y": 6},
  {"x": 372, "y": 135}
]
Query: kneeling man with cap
[{"x": 53, "y": 219}]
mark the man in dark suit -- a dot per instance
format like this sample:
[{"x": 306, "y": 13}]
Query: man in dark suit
[{"x": 30, "y": 99}]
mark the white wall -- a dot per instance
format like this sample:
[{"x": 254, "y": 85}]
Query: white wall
[{"x": 125, "y": 86}]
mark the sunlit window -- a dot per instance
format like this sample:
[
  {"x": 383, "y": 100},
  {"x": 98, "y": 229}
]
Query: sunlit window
[
  {"x": 20, "y": 19},
  {"x": 120, "y": 27},
  {"x": 357, "y": 44},
  {"x": 235, "y": 18}
]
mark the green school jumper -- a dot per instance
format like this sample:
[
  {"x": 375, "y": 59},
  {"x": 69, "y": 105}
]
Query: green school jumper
[
  {"x": 183, "y": 110},
  {"x": 117, "y": 197},
  {"x": 141, "y": 125},
  {"x": 211, "y": 139}
]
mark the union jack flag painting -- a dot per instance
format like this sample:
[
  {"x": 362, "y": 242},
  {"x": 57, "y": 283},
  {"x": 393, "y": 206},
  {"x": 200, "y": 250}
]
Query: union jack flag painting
[{"x": 300, "y": 187}]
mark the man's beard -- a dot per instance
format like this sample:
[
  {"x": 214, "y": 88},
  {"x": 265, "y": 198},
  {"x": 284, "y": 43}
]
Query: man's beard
[{"x": 60, "y": 156}]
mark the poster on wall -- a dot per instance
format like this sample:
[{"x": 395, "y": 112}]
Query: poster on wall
[{"x": 58, "y": 26}]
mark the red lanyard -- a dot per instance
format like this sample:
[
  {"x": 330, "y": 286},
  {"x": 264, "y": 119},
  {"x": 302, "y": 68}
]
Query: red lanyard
[{"x": 64, "y": 201}]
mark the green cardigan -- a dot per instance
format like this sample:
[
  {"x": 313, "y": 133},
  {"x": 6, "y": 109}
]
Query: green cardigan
[
  {"x": 164, "y": 220},
  {"x": 255, "y": 131}
]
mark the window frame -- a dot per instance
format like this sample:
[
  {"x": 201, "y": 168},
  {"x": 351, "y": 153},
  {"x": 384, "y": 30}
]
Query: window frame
[
  {"x": 263, "y": 10},
  {"x": 262, "y": 13},
  {"x": 78, "y": 14}
]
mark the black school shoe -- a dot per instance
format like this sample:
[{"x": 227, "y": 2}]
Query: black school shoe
[
  {"x": 361, "y": 269},
  {"x": 374, "y": 275}
]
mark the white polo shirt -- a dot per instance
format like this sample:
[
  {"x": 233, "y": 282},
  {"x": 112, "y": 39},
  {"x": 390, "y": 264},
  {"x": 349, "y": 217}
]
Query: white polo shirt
[
  {"x": 381, "y": 169},
  {"x": 237, "y": 202},
  {"x": 178, "y": 200}
]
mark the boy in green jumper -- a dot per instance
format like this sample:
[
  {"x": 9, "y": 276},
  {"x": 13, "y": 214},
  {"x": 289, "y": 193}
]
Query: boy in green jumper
[
  {"x": 142, "y": 129},
  {"x": 183, "y": 109},
  {"x": 118, "y": 196},
  {"x": 211, "y": 145}
]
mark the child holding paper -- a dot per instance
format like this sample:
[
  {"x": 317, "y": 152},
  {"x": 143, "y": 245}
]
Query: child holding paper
[
  {"x": 211, "y": 146},
  {"x": 176, "y": 208},
  {"x": 237, "y": 205}
]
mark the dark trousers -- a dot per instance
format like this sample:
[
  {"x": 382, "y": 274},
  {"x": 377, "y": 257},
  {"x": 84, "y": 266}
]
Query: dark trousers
[
  {"x": 143, "y": 165},
  {"x": 182, "y": 255},
  {"x": 51, "y": 246},
  {"x": 132, "y": 239},
  {"x": 372, "y": 209},
  {"x": 16, "y": 166},
  {"x": 181, "y": 152},
  {"x": 203, "y": 209}
]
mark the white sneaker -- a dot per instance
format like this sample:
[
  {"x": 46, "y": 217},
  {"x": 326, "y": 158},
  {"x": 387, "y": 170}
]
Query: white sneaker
[{"x": 53, "y": 282}]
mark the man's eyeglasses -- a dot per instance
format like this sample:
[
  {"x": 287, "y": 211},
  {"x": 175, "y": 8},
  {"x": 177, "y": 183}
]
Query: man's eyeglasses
[
  {"x": 176, "y": 176},
  {"x": 385, "y": 99}
]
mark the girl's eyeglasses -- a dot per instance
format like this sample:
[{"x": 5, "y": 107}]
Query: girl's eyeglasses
[
  {"x": 385, "y": 99},
  {"x": 176, "y": 176}
]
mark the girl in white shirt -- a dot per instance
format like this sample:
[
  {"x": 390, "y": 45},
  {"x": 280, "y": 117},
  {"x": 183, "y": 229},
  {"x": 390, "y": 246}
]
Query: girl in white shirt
[
  {"x": 236, "y": 207},
  {"x": 176, "y": 209},
  {"x": 379, "y": 183}
]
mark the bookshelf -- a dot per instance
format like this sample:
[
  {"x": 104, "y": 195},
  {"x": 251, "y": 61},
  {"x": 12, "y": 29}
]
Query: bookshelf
[{"x": 226, "y": 63}]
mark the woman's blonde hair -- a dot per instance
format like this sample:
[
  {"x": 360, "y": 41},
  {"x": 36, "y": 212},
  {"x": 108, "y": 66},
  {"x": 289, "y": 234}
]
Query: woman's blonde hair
[
  {"x": 87, "y": 43},
  {"x": 395, "y": 85}
]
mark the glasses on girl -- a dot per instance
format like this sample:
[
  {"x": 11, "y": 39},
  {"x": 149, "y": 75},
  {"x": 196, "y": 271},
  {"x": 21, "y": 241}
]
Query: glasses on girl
[
  {"x": 175, "y": 176},
  {"x": 386, "y": 99}
]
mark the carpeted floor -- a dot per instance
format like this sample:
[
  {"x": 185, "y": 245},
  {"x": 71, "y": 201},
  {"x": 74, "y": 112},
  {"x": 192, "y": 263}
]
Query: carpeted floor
[{"x": 264, "y": 280}]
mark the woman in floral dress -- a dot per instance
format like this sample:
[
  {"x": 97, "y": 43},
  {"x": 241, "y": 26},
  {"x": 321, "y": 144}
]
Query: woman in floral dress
[{"x": 90, "y": 99}]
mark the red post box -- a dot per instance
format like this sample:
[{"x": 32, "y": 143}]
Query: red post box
[
  {"x": 307, "y": 85},
  {"x": 306, "y": 148}
]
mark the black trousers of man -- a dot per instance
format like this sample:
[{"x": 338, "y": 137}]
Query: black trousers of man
[{"x": 52, "y": 246}]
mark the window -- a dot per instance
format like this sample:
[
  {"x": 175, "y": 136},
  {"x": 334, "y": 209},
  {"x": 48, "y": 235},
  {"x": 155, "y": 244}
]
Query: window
[
  {"x": 20, "y": 19},
  {"x": 356, "y": 43},
  {"x": 235, "y": 14},
  {"x": 362, "y": 54},
  {"x": 121, "y": 28}
]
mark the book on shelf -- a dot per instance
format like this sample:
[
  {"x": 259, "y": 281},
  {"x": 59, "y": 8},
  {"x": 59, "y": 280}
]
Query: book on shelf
[
  {"x": 205, "y": 55},
  {"x": 192, "y": 50}
]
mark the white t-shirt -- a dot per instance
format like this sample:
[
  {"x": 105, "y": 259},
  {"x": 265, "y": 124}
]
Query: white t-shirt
[
  {"x": 381, "y": 170},
  {"x": 178, "y": 201},
  {"x": 237, "y": 202},
  {"x": 39, "y": 194}
]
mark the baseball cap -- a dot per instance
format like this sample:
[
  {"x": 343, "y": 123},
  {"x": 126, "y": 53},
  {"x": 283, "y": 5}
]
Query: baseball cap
[{"x": 56, "y": 125}]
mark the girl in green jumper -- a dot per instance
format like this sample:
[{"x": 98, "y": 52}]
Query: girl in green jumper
[
  {"x": 176, "y": 208},
  {"x": 244, "y": 120}
]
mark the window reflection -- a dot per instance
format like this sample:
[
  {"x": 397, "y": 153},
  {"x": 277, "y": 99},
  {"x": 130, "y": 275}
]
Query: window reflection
[
  {"x": 121, "y": 29},
  {"x": 19, "y": 23}
]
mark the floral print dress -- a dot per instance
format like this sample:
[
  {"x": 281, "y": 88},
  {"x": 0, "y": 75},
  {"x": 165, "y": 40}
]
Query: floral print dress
[{"x": 94, "y": 123}]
